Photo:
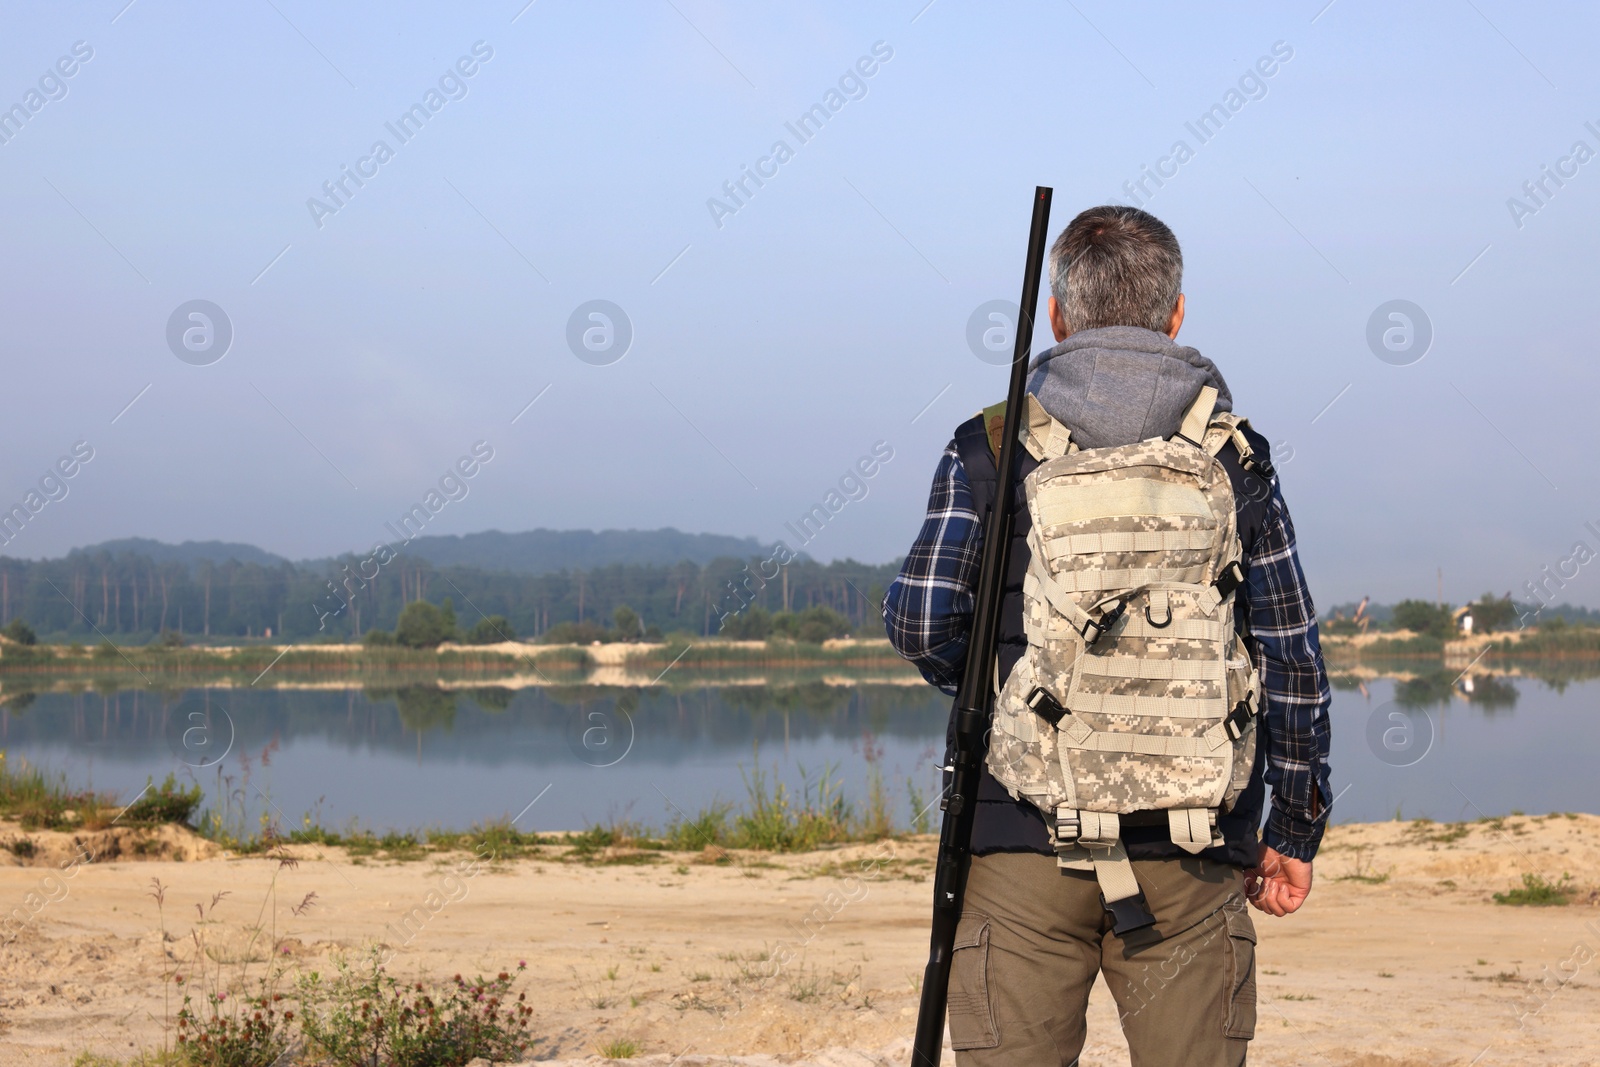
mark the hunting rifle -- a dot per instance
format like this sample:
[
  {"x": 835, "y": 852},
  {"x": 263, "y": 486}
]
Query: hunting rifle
[{"x": 974, "y": 703}]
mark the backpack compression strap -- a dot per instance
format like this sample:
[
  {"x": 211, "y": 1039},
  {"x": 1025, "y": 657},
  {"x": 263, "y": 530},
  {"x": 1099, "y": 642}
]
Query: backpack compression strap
[{"x": 1100, "y": 835}]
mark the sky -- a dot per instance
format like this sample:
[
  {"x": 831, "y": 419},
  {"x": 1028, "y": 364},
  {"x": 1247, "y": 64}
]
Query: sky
[{"x": 359, "y": 341}]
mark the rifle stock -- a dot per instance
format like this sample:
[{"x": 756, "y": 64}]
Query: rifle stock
[{"x": 974, "y": 702}]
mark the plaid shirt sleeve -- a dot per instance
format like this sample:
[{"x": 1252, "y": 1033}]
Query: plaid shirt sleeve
[
  {"x": 928, "y": 609},
  {"x": 1288, "y": 654}
]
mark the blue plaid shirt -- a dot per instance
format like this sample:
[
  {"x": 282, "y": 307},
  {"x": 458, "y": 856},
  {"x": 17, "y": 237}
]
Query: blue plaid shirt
[{"x": 928, "y": 612}]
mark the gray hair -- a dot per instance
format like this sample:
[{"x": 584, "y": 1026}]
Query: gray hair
[{"x": 1116, "y": 266}]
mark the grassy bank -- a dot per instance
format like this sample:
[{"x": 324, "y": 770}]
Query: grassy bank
[
  {"x": 159, "y": 665},
  {"x": 1399, "y": 646},
  {"x": 41, "y": 800},
  {"x": 1563, "y": 642},
  {"x": 773, "y": 818}
]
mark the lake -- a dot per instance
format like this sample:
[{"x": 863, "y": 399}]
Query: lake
[{"x": 568, "y": 758}]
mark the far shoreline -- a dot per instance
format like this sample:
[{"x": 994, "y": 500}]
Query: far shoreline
[{"x": 673, "y": 661}]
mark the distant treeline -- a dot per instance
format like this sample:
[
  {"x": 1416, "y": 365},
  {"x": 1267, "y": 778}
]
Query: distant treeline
[
  {"x": 1383, "y": 615},
  {"x": 1489, "y": 613},
  {"x": 130, "y": 595}
]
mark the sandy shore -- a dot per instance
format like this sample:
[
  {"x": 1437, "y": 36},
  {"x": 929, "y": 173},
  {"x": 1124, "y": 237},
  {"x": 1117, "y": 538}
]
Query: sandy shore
[{"x": 1400, "y": 958}]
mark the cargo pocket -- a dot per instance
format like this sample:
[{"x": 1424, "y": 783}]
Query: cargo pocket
[
  {"x": 970, "y": 1011},
  {"x": 1240, "y": 1018}
]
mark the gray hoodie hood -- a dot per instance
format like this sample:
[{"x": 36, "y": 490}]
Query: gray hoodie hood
[{"x": 1119, "y": 384}]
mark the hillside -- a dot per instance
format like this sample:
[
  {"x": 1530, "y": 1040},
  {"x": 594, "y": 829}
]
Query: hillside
[
  {"x": 527, "y": 552},
  {"x": 548, "y": 551},
  {"x": 189, "y": 553}
]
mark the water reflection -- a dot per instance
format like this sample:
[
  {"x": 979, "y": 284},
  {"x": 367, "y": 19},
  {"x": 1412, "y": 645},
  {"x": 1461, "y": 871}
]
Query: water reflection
[
  {"x": 419, "y": 756},
  {"x": 430, "y": 756}
]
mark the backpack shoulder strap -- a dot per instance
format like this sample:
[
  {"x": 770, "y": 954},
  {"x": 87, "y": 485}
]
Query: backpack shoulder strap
[
  {"x": 1044, "y": 436},
  {"x": 1198, "y": 417},
  {"x": 1223, "y": 429},
  {"x": 994, "y": 422},
  {"x": 978, "y": 455},
  {"x": 977, "y": 442}
]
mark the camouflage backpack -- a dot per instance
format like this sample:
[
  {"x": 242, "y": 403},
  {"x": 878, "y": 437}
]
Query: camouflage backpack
[{"x": 1135, "y": 702}]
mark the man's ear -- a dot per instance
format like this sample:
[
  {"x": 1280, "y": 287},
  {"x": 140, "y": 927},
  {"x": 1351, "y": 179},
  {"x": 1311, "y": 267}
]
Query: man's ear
[
  {"x": 1058, "y": 321},
  {"x": 1175, "y": 323}
]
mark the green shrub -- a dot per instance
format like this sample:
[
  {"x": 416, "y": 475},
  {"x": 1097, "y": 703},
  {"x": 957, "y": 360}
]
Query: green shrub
[
  {"x": 42, "y": 801},
  {"x": 422, "y": 625},
  {"x": 777, "y": 821},
  {"x": 20, "y": 632},
  {"x": 1424, "y": 617},
  {"x": 1536, "y": 892},
  {"x": 364, "y": 1016},
  {"x": 627, "y": 623},
  {"x": 710, "y": 827},
  {"x": 1491, "y": 613},
  {"x": 256, "y": 1035},
  {"x": 491, "y": 630},
  {"x": 498, "y": 839},
  {"x": 752, "y": 625},
  {"x": 163, "y": 803}
]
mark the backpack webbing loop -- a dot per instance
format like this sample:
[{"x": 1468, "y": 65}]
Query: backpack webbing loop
[{"x": 1193, "y": 829}]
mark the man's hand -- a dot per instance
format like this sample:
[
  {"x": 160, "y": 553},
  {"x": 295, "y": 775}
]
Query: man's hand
[{"x": 1278, "y": 885}]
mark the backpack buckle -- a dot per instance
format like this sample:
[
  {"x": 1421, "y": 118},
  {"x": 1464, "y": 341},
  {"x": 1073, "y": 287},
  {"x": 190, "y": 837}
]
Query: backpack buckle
[
  {"x": 1255, "y": 465},
  {"x": 1046, "y": 706},
  {"x": 1238, "y": 719},
  {"x": 1231, "y": 578},
  {"x": 1095, "y": 629},
  {"x": 1128, "y": 914}
]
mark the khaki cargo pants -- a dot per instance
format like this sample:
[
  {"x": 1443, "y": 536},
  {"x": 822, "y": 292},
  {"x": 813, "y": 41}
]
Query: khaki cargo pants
[{"x": 1033, "y": 936}]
